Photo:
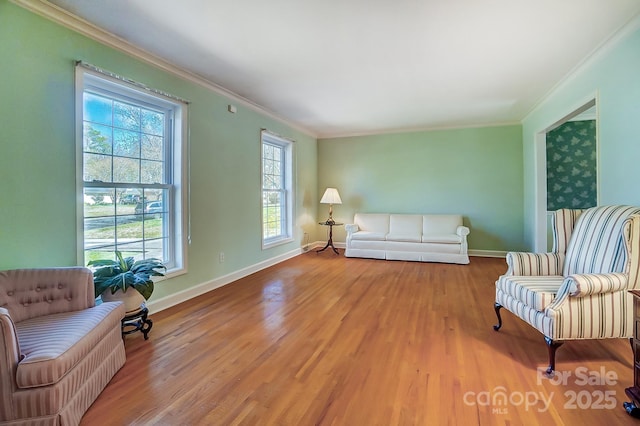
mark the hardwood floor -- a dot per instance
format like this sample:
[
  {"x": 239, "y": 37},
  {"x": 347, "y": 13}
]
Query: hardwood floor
[{"x": 322, "y": 339}]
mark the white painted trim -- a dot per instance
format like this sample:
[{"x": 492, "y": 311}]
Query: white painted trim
[
  {"x": 417, "y": 130},
  {"x": 60, "y": 16},
  {"x": 540, "y": 167},
  {"x": 488, "y": 253},
  {"x": 199, "y": 289},
  {"x": 540, "y": 192}
]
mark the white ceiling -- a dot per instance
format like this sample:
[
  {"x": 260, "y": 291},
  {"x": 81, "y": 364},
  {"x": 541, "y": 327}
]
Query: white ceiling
[{"x": 342, "y": 67}]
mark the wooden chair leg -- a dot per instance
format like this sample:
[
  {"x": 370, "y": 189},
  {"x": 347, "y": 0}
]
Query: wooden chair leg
[
  {"x": 552, "y": 347},
  {"x": 497, "y": 307}
]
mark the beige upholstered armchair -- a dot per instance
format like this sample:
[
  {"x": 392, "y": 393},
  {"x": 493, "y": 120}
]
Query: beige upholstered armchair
[
  {"x": 57, "y": 349},
  {"x": 580, "y": 289}
]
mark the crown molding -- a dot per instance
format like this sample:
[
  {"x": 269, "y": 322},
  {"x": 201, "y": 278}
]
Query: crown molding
[
  {"x": 417, "y": 130},
  {"x": 60, "y": 16}
]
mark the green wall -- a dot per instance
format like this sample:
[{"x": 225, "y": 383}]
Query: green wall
[
  {"x": 475, "y": 172},
  {"x": 38, "y": 225},
  {"x": 612, "y": 79}
]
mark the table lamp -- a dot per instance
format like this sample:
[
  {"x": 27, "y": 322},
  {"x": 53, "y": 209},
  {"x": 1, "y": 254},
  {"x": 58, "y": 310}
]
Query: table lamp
[{"x": 331, "y": 197}]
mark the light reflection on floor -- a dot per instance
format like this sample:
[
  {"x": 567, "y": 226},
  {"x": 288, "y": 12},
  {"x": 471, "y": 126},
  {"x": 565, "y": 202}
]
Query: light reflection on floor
[{"x": 274, "y": 298}]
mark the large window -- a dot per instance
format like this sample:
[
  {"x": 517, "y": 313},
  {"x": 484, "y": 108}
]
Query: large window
[
  {"x": 277, "y": 198},
  {"x": 131, "y": 172}
]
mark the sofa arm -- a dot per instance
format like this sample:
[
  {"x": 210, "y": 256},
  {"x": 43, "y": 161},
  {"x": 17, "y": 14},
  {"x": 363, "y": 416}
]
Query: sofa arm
[
  {"x": 351, "y": 228},
  {"x": 9, "y": 358},
  {"x": 462, "y": 231},
  {"x": 534, "y": 264}
]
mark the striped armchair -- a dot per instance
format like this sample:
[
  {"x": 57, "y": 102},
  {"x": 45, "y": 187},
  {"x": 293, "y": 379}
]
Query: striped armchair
[{"x": 580, "y": 289}]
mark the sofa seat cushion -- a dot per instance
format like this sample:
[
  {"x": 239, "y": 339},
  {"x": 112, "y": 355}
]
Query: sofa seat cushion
[
  {"x": 409, "y": 238},
  {"x": 369, "y": 236},
  {"x": 442, "y": 238},
  {"x": 53, "y": 344},
  {"x": 537, "y": 292}
]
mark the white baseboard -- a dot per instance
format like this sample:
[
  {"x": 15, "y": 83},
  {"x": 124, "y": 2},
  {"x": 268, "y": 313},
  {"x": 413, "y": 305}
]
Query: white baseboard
[
  {"x": 199, "y": 289},
  {"x": 488, "y": 253}
]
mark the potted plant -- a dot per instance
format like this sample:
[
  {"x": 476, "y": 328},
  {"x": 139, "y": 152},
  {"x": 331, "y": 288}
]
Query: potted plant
[{"x": 112, "y": 279}]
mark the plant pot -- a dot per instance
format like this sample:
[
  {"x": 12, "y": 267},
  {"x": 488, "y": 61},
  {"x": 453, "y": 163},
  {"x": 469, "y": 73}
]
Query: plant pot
[{"x": 132, "y": 299}]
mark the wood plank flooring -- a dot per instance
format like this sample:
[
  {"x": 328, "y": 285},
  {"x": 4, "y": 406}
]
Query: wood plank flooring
[{"x": 325, "y": 340}]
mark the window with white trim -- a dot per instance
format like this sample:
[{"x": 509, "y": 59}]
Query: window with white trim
[
  {"x": 277, "y": 193},
  {"x": 131, "y": 172}
]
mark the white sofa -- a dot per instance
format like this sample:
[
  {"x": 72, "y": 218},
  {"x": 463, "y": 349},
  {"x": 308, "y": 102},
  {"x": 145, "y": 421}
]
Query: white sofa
[{"x": 421, "y": 238}]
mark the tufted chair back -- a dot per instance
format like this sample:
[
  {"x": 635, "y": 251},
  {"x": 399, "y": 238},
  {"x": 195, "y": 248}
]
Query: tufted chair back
[{"x": 29, "y": 293}]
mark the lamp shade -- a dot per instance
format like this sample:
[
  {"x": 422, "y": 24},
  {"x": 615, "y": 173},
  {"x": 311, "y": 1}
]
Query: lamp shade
[{"x": 331, "y": 196}]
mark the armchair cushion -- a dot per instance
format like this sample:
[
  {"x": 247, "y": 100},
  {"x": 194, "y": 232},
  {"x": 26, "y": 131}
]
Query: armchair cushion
[{"x": 536, "y": 292}]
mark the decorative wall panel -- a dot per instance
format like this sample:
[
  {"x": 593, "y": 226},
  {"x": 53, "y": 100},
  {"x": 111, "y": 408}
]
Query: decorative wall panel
[{"x": 571, "y": 166}]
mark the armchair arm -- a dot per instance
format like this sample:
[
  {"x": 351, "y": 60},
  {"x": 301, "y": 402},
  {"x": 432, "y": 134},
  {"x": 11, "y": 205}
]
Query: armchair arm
[
  {"x": 590, "y": 306},
  {"x": 585, "y": 285},
  {"x": 351, "y": 228},
  {"x": 534, "y": 264},
  {"x": 581, "y": 285},
  {"x": 462, "y": 231}
]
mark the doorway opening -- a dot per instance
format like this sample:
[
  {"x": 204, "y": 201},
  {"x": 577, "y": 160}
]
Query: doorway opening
[{"x": 566, "y": 168}]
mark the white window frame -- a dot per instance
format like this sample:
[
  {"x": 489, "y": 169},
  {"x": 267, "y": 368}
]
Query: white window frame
[
  {"x": 287, "y": 190},
  {"x": 175, "y": 162}
]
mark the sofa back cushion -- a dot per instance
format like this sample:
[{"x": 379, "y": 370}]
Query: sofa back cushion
[
  {"x": 439, "y": 224},
  {"x": 372, "y": 222},
  {"x": 405, "y": 227},
  {"x": 29, "y": 293},
  {"x": 597, "y": 243}
]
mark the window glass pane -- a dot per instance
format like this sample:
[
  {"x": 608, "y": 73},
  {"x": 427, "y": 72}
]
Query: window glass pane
[
  {"x": 99, "y": 231},
  {"x": 97, "y": 109},
  {"x": 268, "y": 151},
  {"x": 126, "y": 170},
  {"x": 97, "y": 138},
  {"x": 97, "y": 251},
  {"x": 98, "y": 202},
  {"x": 97, "y": 168},
  {"x": 151, "y": 171},
  {"x": 128, "y": 229},
  {"x": 153, "y": 248},
  {"x": 152, "y": 122},
  {"x": 126, "y": 143},
  {"x": 126, "y": 116},
  {"x": 152, "y": 147},
  {"x": 126, "y": 199}
]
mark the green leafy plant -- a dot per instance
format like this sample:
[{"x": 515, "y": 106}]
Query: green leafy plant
[{"x": 124, "y": 273}]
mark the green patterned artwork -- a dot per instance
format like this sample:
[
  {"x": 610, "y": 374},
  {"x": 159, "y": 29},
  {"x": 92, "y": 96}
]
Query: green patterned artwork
[{"x": 571, "y": 166}]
